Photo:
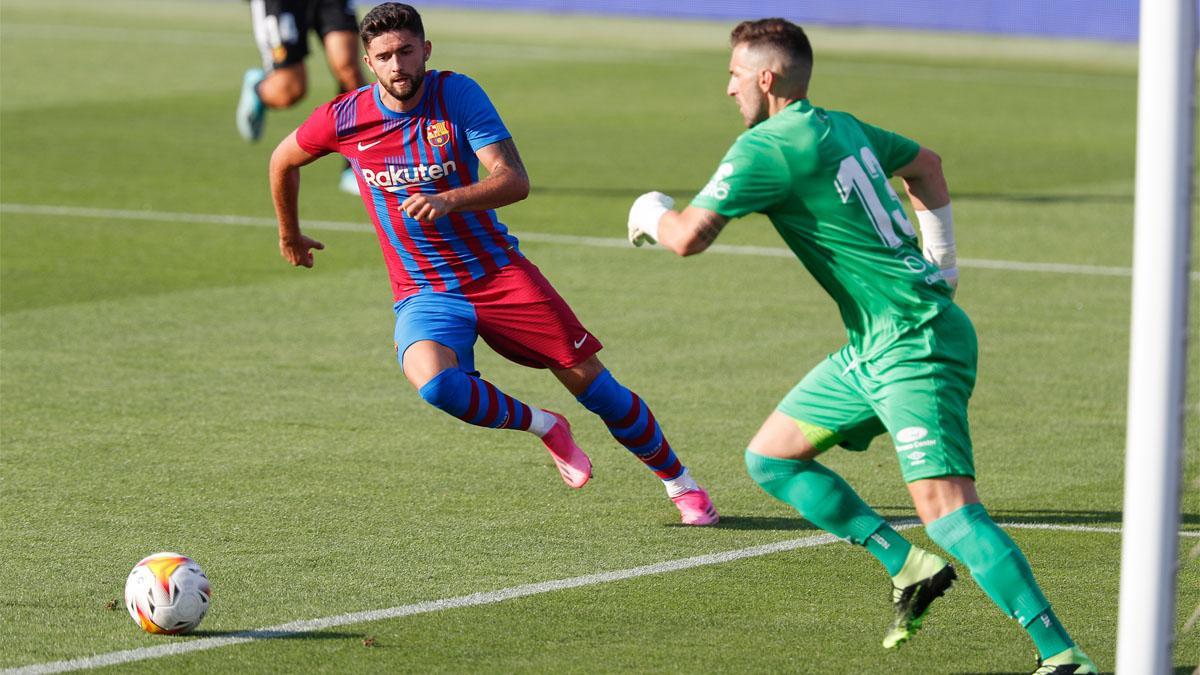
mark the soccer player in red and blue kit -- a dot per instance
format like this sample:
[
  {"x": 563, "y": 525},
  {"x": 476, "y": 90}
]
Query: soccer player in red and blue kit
[{"x": 415, "y": 139}]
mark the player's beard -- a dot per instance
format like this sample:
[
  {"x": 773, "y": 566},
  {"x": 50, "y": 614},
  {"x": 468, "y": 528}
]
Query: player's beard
[
  {"x": 405, "y": 89},
  {"x": 755, "y": 113},
  {"x": 753, "y": 107}
]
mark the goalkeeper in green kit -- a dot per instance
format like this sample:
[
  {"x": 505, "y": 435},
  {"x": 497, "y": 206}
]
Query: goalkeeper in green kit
[{"x": 909, "y": 368}]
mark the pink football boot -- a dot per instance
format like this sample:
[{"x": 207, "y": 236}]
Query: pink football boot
[
  {"x": 573, "y": 464},
  {"x": 696, "y": 508}
]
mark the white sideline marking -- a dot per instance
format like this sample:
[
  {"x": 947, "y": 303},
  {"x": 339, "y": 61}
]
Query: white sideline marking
[
  {"x": 485, "y": 598},
  {"x": 602, "y": 242},
  {"x": 172, "y": 217},
  {"x": 476, "y": 599}
]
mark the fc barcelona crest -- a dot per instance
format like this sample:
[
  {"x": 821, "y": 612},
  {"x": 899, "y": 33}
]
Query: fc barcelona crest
[{"x": 438, "y": 134}]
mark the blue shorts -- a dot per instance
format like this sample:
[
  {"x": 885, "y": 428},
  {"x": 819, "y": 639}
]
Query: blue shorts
[
  {"x": 446, "y": 318},
  {"x": 515, "y": 310}
]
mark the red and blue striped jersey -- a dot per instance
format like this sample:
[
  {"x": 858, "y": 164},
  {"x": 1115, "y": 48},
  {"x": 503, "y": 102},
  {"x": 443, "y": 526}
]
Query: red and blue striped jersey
[{"x": 428, "y": 149}]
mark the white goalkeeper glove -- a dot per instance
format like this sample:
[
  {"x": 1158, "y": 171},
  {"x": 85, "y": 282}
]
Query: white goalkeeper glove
[
  {"x": 937, "y": 242},
  {"x": 644, "y": 216}
]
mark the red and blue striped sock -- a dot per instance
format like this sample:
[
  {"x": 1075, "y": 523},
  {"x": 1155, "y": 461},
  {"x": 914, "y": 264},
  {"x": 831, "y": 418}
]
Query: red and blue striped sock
[
  {"x": 474, "y": 400},
  {"x": 630, "y": 421}
]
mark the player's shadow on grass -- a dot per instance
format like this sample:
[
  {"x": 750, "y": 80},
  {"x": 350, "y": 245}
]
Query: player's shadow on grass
[
  {"x": 1046, "y": 516},
  {"x": 787, "y": 524},
  {"x": 1059, "y": 517},
  {"x": 1178, "y": 671},
  {"x": 894, "y": 514}
]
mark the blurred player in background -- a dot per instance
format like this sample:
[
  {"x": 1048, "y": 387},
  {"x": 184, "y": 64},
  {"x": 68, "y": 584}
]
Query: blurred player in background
[
  {"x": 281, "y": 31},
  {"x": 909, "y": 369},
  {"x": 415, "y": 141}
]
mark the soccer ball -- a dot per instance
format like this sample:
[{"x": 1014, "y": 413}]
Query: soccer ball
[{"x": 167, "y": 593}]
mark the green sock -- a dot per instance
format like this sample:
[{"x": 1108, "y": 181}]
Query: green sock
[
  {"x": 1000, "y": 568},
  {"x": 889, "y": 547},
  {"x": 1048, "y": 634},
  {"x": 828, "y": 501}
]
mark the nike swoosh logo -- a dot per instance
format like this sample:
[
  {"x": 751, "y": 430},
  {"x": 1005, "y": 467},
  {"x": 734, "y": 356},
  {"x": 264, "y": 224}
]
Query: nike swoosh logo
[
  {"x": 366, "y": 146},
  {"x": 580, "y": 341}
]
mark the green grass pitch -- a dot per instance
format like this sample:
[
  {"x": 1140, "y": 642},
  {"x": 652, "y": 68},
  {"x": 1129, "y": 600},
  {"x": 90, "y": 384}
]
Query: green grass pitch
[{"x": 169, "y": 383}]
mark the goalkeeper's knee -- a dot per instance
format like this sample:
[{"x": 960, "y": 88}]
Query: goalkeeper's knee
[
  {"x": 820, "y": 495},
  {"x": 772, "y": 473}
]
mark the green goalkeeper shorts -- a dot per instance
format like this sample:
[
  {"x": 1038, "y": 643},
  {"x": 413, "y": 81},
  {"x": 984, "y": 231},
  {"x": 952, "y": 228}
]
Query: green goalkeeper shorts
[{"x": 916, "y": 390}]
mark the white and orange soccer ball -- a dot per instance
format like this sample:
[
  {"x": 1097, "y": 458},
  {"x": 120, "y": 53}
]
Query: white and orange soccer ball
[{"x": 167, "y": 593}]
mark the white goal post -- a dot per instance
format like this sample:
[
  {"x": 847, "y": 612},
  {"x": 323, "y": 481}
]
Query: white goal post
[{"x": 1158, "y": 336}]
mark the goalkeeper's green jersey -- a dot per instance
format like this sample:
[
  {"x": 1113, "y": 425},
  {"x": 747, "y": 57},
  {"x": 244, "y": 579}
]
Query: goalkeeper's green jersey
[{"x": 821, "y": 176}]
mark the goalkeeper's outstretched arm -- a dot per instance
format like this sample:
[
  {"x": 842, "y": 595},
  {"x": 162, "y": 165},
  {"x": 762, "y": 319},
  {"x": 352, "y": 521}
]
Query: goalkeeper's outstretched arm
[
  {"x": 651, "y": 220},
  {"x": 691, "y": 231}
]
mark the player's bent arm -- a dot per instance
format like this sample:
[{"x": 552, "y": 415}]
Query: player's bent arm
[
  {"x": 507, "y": 182},
  {"x": 924, "y": 181},
  {"x": 926, "y": 186},
  {"x": 691, "y": 231},
  {"x": 284, "y": 174}
]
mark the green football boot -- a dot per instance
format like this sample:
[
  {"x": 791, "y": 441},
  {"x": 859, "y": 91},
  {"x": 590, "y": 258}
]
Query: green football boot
[
  {"x": 1067, "y": 662},
  {"x": 924, "y": 578}
]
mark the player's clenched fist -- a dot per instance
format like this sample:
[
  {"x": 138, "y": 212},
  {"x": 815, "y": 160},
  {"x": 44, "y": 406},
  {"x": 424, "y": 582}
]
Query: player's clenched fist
[
  {"x": 298, "y": 250},
  {"x": 644, "y": 216},
  {"x": 425, "y": 206}
]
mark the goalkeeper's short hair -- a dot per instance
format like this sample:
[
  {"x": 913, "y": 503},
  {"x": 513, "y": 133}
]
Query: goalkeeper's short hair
[{"x": 781, "y": 36}]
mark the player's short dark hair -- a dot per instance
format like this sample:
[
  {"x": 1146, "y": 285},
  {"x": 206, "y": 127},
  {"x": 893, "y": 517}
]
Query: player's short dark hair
[
  {"x": 390, "y": 17},
  {"x": 780, "y": 34}
]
